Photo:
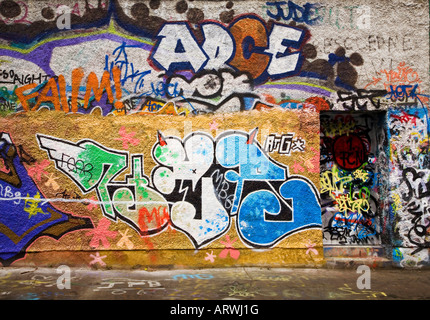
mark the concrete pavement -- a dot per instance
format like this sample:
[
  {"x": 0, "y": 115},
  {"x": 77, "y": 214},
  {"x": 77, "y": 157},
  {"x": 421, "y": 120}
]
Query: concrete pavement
[{"x": 241, "y": 283}]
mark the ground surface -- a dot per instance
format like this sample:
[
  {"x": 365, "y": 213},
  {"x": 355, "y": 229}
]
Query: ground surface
[{"x": 214, "y": 284}]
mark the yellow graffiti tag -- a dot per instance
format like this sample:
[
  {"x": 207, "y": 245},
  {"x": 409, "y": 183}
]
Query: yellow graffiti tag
[
  {"x": 32, "y": 205},
  {"x": 347, "y": 203},
  {"x": 338, "y": 128},
  {"x": 333, "y": 183},
  {"x": 346, "y": 200}
]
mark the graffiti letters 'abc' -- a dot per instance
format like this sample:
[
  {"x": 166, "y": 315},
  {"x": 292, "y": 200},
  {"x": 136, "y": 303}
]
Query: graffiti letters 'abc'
[{"x": 246, "y": 46}]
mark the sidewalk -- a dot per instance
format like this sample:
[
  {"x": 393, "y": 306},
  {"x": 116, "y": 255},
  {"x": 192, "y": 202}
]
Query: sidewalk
[{"x": 214, "y": 284}]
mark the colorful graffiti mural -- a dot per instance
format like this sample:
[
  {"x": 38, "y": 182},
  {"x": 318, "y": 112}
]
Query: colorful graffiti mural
[
  {"x": 180, "y": 69},
  {"x": 213, "y": 189},
  {"x": 184, "y": 177},
  {"x": 218, "y": 128}
]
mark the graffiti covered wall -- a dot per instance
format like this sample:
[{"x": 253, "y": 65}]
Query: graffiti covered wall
[
  {"x": 156, "y": 185},
  {"x": 195, "y": 133}
]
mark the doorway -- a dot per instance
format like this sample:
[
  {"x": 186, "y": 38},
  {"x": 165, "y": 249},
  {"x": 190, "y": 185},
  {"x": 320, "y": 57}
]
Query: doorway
[{"x": 353, "y": 177}]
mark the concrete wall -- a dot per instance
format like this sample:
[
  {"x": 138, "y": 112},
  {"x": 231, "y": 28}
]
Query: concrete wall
[{"x": 221, "y": 133}]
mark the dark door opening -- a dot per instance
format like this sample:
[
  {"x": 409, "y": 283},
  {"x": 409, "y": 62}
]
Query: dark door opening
[{"x": 353, "y": 176}]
